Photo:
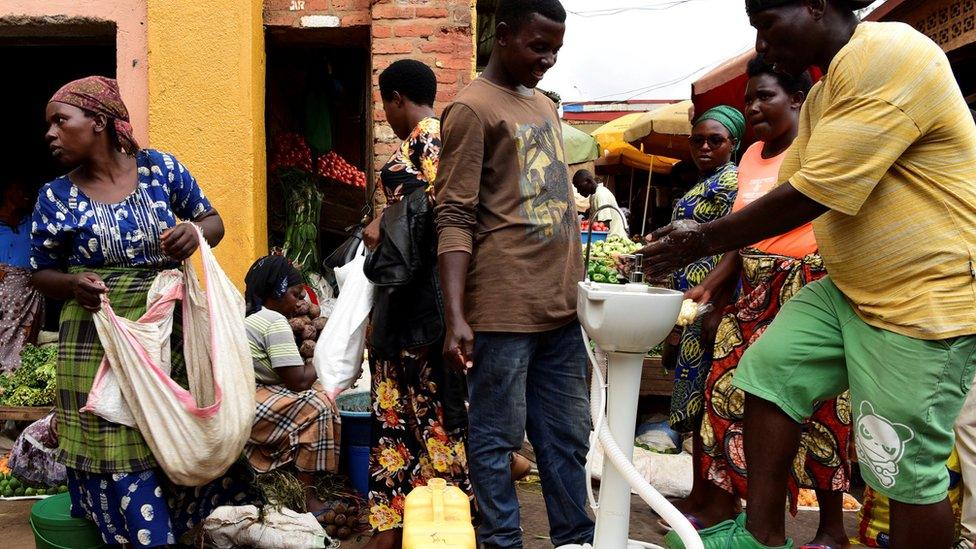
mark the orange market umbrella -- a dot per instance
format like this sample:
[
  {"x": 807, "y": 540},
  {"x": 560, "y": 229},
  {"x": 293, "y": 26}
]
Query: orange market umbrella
[
  {"x": 621, "y": 153},
  {"x": 616, "y": 130},
  {"x": 664, "y": 132},
  {"x": 626, "y": 154}
]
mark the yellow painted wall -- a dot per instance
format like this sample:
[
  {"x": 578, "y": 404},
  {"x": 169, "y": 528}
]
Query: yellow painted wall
[{"x": 206, "y": 106}]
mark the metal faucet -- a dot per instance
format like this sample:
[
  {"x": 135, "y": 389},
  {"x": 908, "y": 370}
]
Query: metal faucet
[{"x": 636, "y": 273}]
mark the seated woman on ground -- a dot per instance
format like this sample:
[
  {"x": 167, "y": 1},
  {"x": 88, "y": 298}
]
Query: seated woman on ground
[{"x": 295, "y": 421}]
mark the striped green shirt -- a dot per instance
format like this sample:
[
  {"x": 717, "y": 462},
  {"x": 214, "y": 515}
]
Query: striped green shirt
[{"x": 272, "y": 345}]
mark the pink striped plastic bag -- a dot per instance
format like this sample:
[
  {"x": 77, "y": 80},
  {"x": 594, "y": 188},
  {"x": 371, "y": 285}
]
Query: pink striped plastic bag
[{"x": 195, "y": 435}]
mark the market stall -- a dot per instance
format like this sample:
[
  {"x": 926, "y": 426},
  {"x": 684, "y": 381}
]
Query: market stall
[
  {"x": 637, "y": 146},
  {"x": 318, "y": 140},
  {"x": 27, "y": 393}
]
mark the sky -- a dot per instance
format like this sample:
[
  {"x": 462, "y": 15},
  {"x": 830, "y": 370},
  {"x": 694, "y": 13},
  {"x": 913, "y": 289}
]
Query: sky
[{"x": 653, "y": 50}]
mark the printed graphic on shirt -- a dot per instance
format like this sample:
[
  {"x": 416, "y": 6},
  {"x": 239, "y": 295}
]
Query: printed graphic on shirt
[
  {"x": 544, "y": 180},
  {"x": 754, "y": 189}
]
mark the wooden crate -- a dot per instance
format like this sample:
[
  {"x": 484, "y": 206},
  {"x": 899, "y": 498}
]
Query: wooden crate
[
  {"x": 342, "y": 206},
  {"x": 24, "y": 413},
  {"x": 656, "y": 380}
]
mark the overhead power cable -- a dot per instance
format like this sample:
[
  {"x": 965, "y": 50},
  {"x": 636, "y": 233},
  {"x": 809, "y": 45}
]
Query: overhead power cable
[{"x": 603, "y": 12}]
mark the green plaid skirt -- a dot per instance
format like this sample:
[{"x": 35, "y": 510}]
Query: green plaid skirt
[{"x": 86, "y": 441}]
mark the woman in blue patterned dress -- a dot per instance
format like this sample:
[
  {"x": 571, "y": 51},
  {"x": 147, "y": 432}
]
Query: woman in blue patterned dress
[
  {"x": 715, "y": 137},
  {"x": 106, "y": 229}
]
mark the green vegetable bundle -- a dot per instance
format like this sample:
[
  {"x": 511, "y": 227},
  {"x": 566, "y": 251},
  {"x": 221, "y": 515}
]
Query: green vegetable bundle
[
  {"x": 33, "y": 384},
  {"x": 303, "y": 208}
]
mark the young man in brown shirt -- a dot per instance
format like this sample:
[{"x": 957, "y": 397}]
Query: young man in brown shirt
[{"x": 509, "y": 260}]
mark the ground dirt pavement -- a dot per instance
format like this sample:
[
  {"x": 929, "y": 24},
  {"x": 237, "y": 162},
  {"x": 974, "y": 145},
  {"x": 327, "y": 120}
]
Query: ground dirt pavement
[{"x": 15, "y": 533}]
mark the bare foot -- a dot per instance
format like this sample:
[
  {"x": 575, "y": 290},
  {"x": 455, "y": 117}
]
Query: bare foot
[
  {"x": 719, "y": 508},
  {"x": 835, "y": 541},
  {"x": 391, "y": 539}
]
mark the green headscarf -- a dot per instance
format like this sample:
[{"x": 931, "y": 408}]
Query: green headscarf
[{"x": 731, "y": 118}]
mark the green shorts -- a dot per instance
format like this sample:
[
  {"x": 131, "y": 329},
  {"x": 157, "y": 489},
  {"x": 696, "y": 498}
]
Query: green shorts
[{"x": 905, "y": 392}]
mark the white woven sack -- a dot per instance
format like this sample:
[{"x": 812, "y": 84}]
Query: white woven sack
[{"x": 195, "y": 435}]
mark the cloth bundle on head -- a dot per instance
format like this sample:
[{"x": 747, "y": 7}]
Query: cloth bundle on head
[
  {"x": 731, "y": 118},
  {"x": 270, "y": 276},
  {"x": 100, "y": 95},
  {"x": 756, "y": 6}
]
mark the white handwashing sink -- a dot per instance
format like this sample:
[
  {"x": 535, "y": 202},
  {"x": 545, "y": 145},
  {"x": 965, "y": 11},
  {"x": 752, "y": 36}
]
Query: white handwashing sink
[
  {"x": 631, "y": 318},
  {"x": 625, "y": 321}
]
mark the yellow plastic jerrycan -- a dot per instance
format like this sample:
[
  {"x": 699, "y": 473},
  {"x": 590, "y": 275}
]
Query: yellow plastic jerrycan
[{"x": 437, "y": 516}]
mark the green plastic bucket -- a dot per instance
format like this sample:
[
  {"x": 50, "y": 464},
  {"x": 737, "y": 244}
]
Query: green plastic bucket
[{"x": 55, "y": 528}]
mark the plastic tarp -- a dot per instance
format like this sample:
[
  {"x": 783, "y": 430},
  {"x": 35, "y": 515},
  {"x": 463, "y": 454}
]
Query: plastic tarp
[
  {"x": 580, "y": 146},
  {"x": 723, "y": 74},
  {"x": 615, "y": 130},
  {"x": 628, "y": 155},
  {"x": 726, "y": 85}
]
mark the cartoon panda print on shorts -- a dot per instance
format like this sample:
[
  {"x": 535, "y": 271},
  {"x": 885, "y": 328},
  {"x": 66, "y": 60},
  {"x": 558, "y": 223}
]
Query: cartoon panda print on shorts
[{"x": 881, "y": 443}]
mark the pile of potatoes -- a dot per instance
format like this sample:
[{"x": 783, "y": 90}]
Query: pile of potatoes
[{"x": 307, "y": 325}]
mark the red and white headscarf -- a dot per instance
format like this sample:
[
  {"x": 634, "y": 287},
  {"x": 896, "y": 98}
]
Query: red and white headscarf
[{"x": 100, "y": 95}]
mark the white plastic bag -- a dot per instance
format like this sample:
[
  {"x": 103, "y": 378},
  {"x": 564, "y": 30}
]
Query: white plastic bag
[
  {"x": 32, "y": 456},
  {"x": 339, "y": 351},
  {"x": 670, "y": 474},
  {"x": 195, "y": 435}
]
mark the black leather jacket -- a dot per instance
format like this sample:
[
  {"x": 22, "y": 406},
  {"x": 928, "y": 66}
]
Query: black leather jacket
[{"x": 408, "y": 307}]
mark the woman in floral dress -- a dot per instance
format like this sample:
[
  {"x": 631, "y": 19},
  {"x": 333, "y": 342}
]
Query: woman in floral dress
[{"x": 412, "y": 441}]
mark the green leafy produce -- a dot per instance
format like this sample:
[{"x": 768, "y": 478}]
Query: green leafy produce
[
  {"x": 602, "y": 266},
  {"x": 33, "y": 384},
  {"x": 303, "y": 208}
]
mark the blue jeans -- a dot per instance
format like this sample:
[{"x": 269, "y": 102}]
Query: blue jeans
[{"x": 534, "y": 383}]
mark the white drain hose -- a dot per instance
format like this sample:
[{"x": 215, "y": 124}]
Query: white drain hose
[{"x": 612, "y": 451}]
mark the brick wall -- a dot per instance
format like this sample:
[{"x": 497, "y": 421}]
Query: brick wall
[
  {"x": 437, "y": 32},
  {"x": 289, "y": 13}
]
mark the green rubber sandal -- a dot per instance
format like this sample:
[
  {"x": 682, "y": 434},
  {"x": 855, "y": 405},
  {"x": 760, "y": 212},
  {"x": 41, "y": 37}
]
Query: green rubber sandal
[{"x": 731, "y": 534}]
